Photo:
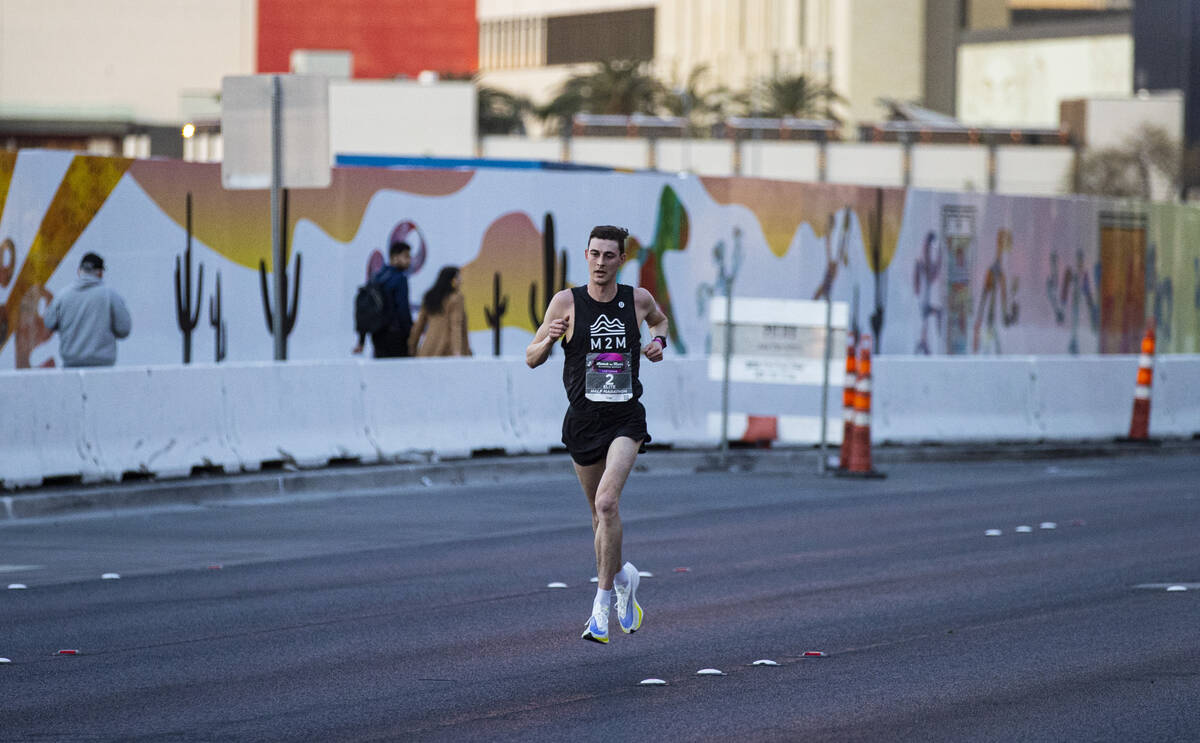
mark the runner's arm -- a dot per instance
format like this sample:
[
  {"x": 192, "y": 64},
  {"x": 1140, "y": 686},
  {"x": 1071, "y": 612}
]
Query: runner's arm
[
  {"x": 553, "y": 327},
  {"x": 656, "y": 321}
]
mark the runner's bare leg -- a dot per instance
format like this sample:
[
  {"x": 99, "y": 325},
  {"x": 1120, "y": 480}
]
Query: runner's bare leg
[{"x": 602, "y": 483}]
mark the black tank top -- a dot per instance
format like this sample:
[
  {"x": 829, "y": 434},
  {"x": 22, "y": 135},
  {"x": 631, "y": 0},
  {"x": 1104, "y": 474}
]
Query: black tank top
[{"x": 601, "y": 367}]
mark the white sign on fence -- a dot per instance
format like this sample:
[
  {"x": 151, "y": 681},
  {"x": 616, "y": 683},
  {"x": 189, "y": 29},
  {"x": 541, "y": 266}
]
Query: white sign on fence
[{"x": 779, "y": 341}]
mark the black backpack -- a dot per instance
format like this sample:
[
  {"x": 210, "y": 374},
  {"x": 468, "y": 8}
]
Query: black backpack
[{"x": 372, "y": 308}]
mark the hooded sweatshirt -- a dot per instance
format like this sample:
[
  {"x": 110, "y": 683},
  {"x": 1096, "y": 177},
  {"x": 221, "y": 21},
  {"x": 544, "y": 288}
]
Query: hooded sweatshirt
[{"x": 89, "y": 318}]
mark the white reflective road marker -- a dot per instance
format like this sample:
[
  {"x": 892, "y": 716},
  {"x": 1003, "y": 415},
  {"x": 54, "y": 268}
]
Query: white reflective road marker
[
  {"x": 595, "y": 579},
  {"x": 764, "y": 662},
  {"x": 1176, "y": 588},
  {"x": 645, "y": 574},
  {"x": 1048, "y": 525},
  {"x": 710, "y": 672},
  {"x": 992, "y": 533},
  {"x": 5, "y": 660},
  {"x": 1024, "y": 529},
  {"x": 111, "y": 576},
  {"x": 16, "y": 586},
  {"x": 556, "y": 585},
  {"x": 652, "y": 682}
]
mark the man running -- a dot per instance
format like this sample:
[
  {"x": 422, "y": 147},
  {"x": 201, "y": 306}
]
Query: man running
[{"x": 605, "y": 425}]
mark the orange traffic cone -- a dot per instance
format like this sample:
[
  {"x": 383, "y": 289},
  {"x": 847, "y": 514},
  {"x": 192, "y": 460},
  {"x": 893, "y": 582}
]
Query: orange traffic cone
[
  {"x": 848, "y": 405},
  {"x": 1139, "y": 425},
  {"x": 860, "y": 435}
]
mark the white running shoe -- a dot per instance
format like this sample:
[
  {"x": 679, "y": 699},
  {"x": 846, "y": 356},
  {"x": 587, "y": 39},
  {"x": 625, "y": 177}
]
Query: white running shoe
[
  {"x": 597, "y": 626},
  {"x": 629, "y": 611}
]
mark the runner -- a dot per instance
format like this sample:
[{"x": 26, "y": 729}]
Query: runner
[{"x": 605, "y": 425}]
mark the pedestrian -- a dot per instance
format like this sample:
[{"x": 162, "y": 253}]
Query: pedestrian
[
  {"x": 441, "y": 328},
  {"x": 391, "y": 341},
  {"x": 605, "y": 425},
  {"x": 89, "y": 318}
]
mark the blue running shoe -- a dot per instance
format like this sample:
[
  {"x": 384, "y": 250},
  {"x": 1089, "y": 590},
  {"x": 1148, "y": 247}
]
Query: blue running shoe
[
  {"x": 597, "y": 626},
  {"x": 629, "y": 611}
]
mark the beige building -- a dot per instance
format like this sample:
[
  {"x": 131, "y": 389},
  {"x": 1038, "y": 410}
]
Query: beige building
[{"x": 863, "y": 49}]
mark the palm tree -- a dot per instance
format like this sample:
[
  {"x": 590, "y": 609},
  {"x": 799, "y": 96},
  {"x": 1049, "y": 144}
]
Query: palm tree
[
  {"x": 501, "y": 112},
  {"x": 796, "y": 96},
  {"x": 695, "y": 101},
  {"x": 612, "y": 87}
]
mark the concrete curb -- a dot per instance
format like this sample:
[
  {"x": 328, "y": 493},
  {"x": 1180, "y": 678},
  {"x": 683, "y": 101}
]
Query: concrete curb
[{"x": 66, "y": 500}]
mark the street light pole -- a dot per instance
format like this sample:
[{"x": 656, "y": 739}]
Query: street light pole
[{"x": 276, "y": 227}]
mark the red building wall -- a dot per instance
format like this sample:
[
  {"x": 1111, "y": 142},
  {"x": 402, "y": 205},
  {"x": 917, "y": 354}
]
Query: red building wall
[{"x": 387, "y": 37}]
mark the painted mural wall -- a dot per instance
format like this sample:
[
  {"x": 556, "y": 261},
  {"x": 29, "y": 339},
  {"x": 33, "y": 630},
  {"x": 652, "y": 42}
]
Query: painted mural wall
[{"x": 925, "y": 272}]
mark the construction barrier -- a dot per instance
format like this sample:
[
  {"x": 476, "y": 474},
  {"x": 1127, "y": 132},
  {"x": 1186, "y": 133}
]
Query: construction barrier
[
  {"x": 848, "y": 401},
  {"x": 104, "y": 424},
  {"x": 860, "y": 432},
  {"x": 1139, "y": 424}
]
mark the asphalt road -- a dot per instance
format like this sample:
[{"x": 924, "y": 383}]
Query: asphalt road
[{"x": 424, "y": 614}]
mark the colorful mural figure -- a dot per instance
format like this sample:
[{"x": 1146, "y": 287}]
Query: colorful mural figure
[
  {"x": 925, "y": 277},
  {"x": 958, "y": 234},
  {"x": 1073, "y": 292},
  {"x": 496, "y": 224},
  {"x": 831, "y": 260},
  {"x": 995, "y": 290},
  {"x": 723, "y": 283},
  {"x": 670, "y": 233},
  {"x": 1160, "y": 293}
]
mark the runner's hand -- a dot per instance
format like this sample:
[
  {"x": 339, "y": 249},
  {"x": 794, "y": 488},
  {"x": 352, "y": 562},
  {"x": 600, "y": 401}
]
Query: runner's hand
[
  {"x": 555, "y": 329},
  {"x": 653, "y": 351}
]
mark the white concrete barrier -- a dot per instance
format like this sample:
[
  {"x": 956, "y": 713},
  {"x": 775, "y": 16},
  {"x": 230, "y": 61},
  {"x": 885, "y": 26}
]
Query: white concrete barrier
[
  {"x": 447, "y": 407},
  {"x": 677, "y": 394},
  {"x": 41, "y": 428},
  {"x": 305, "y": 413},
  {"x": 1083, "y": 398},
  {"x": 102, "y": 423},
  {"x": 161, "y": 421},
  {"x": 919, "y": 399},
  {"x": 1174, "y": 396}
]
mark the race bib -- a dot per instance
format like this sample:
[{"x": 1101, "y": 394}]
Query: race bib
[{"x": 609, "y": 377}]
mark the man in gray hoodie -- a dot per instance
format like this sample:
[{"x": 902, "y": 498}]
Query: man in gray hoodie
[{"x": 89, "y": 318}]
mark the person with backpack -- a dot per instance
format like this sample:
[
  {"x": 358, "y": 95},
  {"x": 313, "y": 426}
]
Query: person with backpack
[{"x": 381, "y": 307}]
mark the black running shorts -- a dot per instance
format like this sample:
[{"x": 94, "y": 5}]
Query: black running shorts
[{"x": 587, "y": 435}]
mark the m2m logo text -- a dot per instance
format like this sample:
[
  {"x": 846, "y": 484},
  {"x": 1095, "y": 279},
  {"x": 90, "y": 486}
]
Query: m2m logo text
[{"x": 607, "y": 335}]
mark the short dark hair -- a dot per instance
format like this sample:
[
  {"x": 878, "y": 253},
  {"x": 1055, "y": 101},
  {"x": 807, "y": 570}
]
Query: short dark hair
[
  {"x": 92, "y": 262},
  {"x": 399, "y": 247},
  {"x": 610, "y": 232}
]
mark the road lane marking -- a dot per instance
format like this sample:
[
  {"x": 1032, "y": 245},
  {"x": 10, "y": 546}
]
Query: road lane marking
[{"x": 18, "y": 568}]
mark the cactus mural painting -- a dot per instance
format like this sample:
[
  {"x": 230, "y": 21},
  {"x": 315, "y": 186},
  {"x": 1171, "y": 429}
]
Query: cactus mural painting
[
  {"x": 187, "y": 314},
  {"x": 495, "y": 313},
  {"x": 506, "y": 228}
]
